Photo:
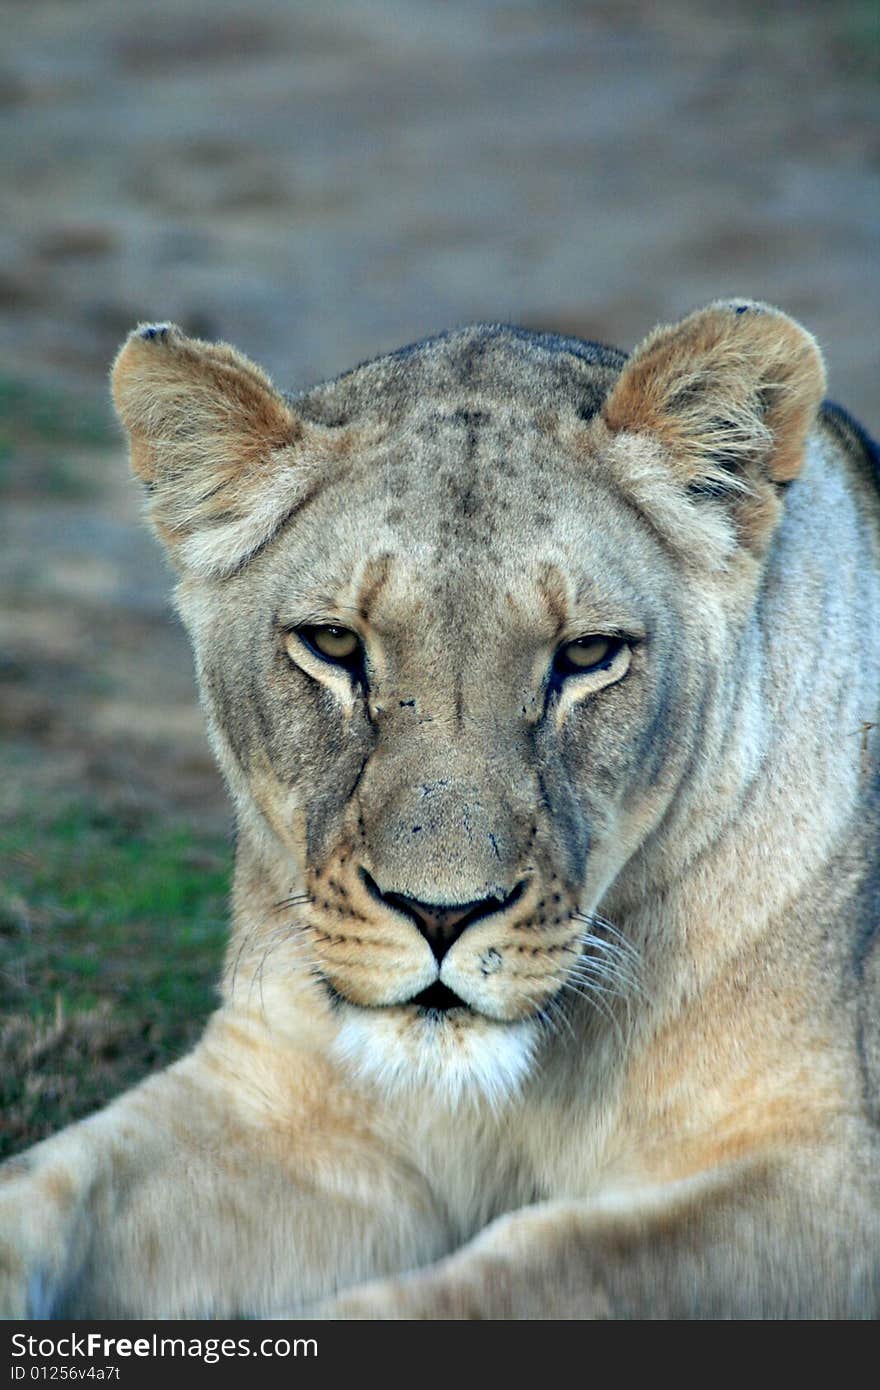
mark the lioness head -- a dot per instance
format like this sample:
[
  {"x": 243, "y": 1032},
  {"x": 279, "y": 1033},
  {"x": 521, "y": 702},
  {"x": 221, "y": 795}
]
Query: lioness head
[{"x": 458, "y": 617}]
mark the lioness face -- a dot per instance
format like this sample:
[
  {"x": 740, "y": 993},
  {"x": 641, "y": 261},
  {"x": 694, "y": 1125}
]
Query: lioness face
[
  {"x": 444, "y": 684},
  {"x": 447, "y": 685}
]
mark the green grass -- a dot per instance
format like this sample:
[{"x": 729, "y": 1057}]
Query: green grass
[
  {"x": 112, "y": 924},
  {"x": 111, "y": 937}
]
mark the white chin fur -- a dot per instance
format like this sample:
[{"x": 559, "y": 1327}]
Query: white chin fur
[{"x": 457, "y": 1059}]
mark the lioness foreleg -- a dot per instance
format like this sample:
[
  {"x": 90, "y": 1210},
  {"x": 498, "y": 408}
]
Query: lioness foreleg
[
  {"x": 201, "y": 1194},
  {"x": 748, "y": 1248}
]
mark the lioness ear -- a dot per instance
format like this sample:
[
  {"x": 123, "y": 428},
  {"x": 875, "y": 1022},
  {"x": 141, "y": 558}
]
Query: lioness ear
[
  {"x": 214, "y": 442},
  {"x": 730, "y": 392}
]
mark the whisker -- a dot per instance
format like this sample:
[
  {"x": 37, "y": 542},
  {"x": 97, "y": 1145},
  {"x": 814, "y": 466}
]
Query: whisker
[
  {"x": 601, "y": 924},
  {"x": 603, "y": 969},
  {"x": 273, "y": 941},
  {"x": 619, "y": 955},
  {"x": 289, "y": 934},
  {"x": 597, "y": 998},
  {"x": 619, "y": 947},
  {"x": 296, "y": 900},
  {"x": 547, "y": 1022},
  {"x": 614, "y": 969},
  {"x": 545, "y": 1011},
  {"x": 556, "y": 1014}
]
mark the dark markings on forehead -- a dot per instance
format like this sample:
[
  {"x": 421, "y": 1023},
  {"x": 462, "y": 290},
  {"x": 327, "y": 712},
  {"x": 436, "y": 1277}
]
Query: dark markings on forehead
[
  {"x": 495, "y": 361},
  {"x": 459, "y": 701},
  {"x": 374, "y": 578},
  {"x": 471, "y": 419},
  {"x": 590, "y": 403},
  {"x": 469, "y": 363},
  {"x": 468, "y": 497},
  {"x": 587, "y": 349}
]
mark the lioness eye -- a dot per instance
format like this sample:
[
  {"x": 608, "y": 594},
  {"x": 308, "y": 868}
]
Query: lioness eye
[
  {"x": 585, "y": 654},
  {"x": 337, "y": 644}
]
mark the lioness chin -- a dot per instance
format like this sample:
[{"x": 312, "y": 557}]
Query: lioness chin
[{"x": 537, "y": 674}]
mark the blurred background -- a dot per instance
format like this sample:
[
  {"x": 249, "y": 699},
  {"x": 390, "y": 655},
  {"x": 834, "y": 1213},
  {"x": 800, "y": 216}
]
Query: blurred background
[{"x": 319, "y": 183}]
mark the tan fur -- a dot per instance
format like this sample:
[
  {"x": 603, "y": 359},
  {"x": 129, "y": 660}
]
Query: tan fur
[
  {"x": 212, "y": 439},
  {"x": 658, "y": 1093},
  {"x": 741, "y": 386}
]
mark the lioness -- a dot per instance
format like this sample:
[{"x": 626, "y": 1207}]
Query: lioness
[{"x": 543, "y": 680}]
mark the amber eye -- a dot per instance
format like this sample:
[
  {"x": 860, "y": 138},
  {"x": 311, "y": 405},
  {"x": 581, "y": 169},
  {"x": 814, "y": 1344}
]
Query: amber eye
[
  {"x": 586, "y": 654},
  {"x": 337, "y": 644}
]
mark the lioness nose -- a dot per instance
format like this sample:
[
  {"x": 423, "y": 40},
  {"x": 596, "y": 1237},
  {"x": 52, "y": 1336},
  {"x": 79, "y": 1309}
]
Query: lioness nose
[{"x": 442, "y": 924}]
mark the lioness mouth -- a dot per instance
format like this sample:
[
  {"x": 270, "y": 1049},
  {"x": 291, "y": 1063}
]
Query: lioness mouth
[{"x": 438, "y": 998}]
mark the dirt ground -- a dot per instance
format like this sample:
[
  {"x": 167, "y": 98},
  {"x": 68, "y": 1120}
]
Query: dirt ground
[{"x": 321, "y": 182}]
